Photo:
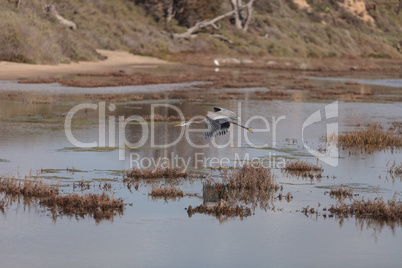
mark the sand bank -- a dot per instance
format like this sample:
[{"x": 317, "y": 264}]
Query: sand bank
[{"x": 115, "y": 61}]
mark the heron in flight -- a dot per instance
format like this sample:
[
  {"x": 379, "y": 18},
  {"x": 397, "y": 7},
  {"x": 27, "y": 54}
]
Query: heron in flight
[{"x": 217, "y": 122}]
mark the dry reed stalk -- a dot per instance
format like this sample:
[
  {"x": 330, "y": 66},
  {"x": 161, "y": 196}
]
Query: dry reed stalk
[
  {"x": 166, "y": 192},
  {"x": 375, "y": 137},
  {"x": 100, "y": 206},
  {"x": 240, "y": 191},
  {"x": 341, "y": 192},
  {"x": 157, "y": 173},
  {"x": 377, "y": 209},
  {"x": 303, "y": 169},
  {"x": 395, "y": 169}
]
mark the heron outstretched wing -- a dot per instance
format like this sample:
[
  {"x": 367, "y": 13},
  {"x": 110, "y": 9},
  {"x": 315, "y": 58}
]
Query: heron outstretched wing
[
  {"x": 216, "y": 125},
  {"x": 228, "y": 113}
]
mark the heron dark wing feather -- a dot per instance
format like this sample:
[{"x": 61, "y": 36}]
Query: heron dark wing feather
[{"x": 214, "y": 127}]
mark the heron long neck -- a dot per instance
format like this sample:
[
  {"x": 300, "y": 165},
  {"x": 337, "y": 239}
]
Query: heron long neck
[
  {"x": 240, "y": 125},
  {"x": 196, "y": 122}
]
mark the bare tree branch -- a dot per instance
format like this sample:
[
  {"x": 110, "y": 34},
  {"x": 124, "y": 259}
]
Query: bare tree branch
[
  {"x": 250, "y": 10},
  {"x": 237, "y": 15},
  {"x": 200, "y": 25},
  {"x": 170, "y": 12}
]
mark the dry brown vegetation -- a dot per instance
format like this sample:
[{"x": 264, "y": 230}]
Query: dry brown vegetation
[
  {"x": 240, "y": 191},
  {"x": 303, "y": 169},
  {"x": 157, "y": 173},
  {"x": 375, "y": 137},
  {"x": 120, "y": 79},
  {"x": 224, "y": 79},
  {"x": 395, "y": 169},
  {"x": 99, "y": 206},
  {"x": 377, "y": 209},
  {"x": 288, "y": 197},
  {"x": 27, "y": 188},
  {"x": 82, "y": 185},
  {"x": 166, "y": 192},
  {"x": 114, "y": 97},
  {"x": 221, "y": 210},
  {"x": 341, "y": 192}
]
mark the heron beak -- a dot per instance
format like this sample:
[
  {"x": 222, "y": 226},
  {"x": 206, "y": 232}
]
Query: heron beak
[
  {"x": 250, "y": 129},
  {"x": 178, "y": 125}
]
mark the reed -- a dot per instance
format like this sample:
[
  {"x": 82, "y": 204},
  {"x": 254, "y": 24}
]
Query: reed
[
  {"x": 395, "y": 169},
  {"x": 157, "y": 173},
  {"x": 303, "y": 169},
  {"x": 341, "y": 192},
  {"x": 377, "y": 209},
  {"x": 220, "y": 210},
  {"x": 374, "y": 137},
  {"x": 240, "y": 191},
  {"x": 99, "y": 206},
  {"x": 166, "y": 192}
]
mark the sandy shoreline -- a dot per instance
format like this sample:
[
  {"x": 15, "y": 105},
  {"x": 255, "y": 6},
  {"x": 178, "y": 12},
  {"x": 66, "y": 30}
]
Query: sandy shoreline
[{"x": 115, "y": 61}]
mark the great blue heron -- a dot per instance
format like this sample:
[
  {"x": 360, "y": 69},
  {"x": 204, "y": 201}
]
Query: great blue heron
[{"x": 217, "y": 122}]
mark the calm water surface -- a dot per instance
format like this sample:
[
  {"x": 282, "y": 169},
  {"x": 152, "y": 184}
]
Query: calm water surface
[{"x": 158, "y": 233}]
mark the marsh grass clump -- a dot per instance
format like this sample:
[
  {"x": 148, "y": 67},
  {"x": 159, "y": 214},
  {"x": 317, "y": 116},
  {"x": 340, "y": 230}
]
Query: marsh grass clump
[
  {"x": 395, "y": 169},
  {"x": 251, "y": 183},
  {"x": 375, "y": 137},
  {"x": 303, "y": 169},
  {"x": 157, "y": 173},
  {"x": 166, "y": 192},
  {"x": 28, "y": 189},
  {"x": 240, "y": 191},
  {"x": 288, "y": 197},
  {"x": 377, "y": 209},
  {"x": 82, "y": 185},
  {"x": 99, "y": 206},
  {"x": 341, "y": 192},
  {"x": 220, "y": 210}
]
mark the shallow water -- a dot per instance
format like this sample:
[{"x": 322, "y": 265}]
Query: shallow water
[
  {"x": 160, "y": 234},
  {"x": 396, "y": 83}
]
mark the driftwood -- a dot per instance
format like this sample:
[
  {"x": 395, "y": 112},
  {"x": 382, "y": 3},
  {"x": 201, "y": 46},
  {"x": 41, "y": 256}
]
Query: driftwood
[
  {"x": 51, "y": 9},
  {"x": 191, "y": 32}
]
